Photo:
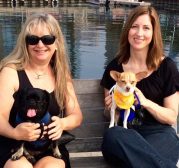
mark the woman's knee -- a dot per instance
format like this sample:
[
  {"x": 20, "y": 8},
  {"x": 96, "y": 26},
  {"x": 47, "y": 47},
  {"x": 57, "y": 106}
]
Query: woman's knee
[
  {"x": 114, "y": 133},
  {"x": 116, "y": 137},
  {"x": 21, "y": 163},
  {"x": 49, "y": 162},
  {"x": 110, "y": 138}
]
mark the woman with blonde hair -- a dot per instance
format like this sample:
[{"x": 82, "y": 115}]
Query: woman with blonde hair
[{"x": 39, "y": 60}]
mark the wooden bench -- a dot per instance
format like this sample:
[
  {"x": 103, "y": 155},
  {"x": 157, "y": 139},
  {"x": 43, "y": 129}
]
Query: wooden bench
[{"x": 85, "y": 150}]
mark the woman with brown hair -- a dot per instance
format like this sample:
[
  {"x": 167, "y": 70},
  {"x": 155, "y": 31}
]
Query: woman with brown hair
[{"x": 151, "y": 143}]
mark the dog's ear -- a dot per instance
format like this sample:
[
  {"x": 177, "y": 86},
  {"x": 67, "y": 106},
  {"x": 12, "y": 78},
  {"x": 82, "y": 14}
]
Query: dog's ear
[
  {"x": 115, "y": 75},
  {"x": 141, "y": 75}
]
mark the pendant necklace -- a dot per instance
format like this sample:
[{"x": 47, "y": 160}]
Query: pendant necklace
[{"x": 39, "y": 76}]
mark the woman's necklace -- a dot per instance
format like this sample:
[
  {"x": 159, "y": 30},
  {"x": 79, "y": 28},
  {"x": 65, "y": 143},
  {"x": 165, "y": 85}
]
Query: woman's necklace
[{"x": 39, "y": 76}]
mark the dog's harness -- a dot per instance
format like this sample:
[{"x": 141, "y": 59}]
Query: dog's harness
[
  {"x": 125, "y": 102},
  {"x": 39, "y": 143},
  {"x": 122, "y": 101}
]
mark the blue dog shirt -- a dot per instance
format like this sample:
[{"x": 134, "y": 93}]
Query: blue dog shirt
[{"x": 39, "y": 143}]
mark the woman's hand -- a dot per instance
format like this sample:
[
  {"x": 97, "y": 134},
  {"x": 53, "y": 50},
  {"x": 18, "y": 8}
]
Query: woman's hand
[
  {"x": 55, "y": 129},
  {"x": 27, "y": 131},
  {"x": 108, "y": 102},
  {"x": 142, "y": 98}
]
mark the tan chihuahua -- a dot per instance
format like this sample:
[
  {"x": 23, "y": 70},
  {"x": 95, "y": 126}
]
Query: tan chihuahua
[{"x": 123, "y": 94}]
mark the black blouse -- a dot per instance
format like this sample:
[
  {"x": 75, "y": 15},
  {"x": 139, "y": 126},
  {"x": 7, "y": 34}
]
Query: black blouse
[{"x": 161, "y": 83}]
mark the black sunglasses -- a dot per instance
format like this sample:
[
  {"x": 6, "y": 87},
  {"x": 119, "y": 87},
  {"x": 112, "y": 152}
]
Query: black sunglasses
[{"x": 46, "y": 40}]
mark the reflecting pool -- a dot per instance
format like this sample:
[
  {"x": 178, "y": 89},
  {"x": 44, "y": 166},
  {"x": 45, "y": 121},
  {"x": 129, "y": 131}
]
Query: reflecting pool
[{"x": 92, "y": 33}]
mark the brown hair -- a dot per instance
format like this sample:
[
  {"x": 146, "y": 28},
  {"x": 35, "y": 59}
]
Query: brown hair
[{"x": 155, "y": 52}]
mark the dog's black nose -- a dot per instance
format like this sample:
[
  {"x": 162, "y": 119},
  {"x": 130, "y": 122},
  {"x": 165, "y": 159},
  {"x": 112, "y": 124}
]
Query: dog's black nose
[{"x": 127, "y": 89}]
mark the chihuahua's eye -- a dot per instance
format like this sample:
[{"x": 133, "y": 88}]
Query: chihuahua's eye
[
  {"x": 123, "y": 81},
  {"x": 132, "y": 82}
]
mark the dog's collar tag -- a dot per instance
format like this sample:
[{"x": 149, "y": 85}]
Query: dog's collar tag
[{"x": 123, "y": 102}]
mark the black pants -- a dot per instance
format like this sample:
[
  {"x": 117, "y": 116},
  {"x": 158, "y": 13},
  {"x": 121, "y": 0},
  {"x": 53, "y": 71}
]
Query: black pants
[{"x": 142, "y": 147}]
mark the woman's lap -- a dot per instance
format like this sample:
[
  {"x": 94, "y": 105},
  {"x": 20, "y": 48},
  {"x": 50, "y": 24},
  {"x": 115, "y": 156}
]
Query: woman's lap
[
  {"x": 164, "y": 140},
  {"x": 65, "y": 157},
  {"x": 20, "y": 163},
  {"x": 146, "y": 144}
]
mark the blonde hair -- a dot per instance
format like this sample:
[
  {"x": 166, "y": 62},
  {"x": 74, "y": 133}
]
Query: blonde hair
[
  {"x": 19, "y": 57},
  {"x": 155, "y": 52}
]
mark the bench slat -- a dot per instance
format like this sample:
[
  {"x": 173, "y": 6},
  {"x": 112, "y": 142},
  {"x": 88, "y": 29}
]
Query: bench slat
[
  {"x": 90, "y": 130},
  {"x": 91, "y": 100},
  {"x": 85, "y": 145},
  {"x": 93, "y": 115},
  {"x": 89, "y": 162},
  {"x": 87, "y": 86}
]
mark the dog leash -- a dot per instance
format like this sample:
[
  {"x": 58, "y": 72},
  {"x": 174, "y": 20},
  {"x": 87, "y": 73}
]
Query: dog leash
[
  {"x": 112, "y": 89},
  {"x": 138, "y": 105},
  {"x": 42, "y": 130}
]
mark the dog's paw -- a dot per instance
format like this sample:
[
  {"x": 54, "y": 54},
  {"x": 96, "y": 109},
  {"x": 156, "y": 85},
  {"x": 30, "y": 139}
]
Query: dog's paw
[
  {"x": 31, "y": 159},
  {"x": 57, "y": 155},
  {"x": 56, "y": 152},
  {"x": 111, "y": 125},
  {"x": 16, "y": 156},
  {"x": 125, "y": 126}
]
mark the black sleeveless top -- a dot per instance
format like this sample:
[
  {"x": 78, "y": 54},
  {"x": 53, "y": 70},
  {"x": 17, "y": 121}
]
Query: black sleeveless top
[
  {"x": 24, "y": 82},
  {"x": 7, "y": 144}
]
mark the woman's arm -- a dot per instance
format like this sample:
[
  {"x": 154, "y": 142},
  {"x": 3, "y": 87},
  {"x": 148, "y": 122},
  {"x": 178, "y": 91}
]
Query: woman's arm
[
  {"x": 107, "y": 99},
  {"x": 107, "y": 103},
  {"x": 73, "y": 116},
  {"x": 8, "y": 85},
  {"x": 7, "y": 88},
  {"x": 166, "y": 114}
]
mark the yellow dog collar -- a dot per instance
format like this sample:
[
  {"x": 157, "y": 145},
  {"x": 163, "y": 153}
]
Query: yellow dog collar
[{"x": 122, "y": 101}]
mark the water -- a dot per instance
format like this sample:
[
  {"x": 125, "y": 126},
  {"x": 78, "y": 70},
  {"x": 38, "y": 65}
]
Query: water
[{"x": 92, "y": 33}]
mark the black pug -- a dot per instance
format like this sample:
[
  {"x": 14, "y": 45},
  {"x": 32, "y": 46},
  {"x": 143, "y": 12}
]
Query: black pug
[{"x": 33, "y": 107}]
